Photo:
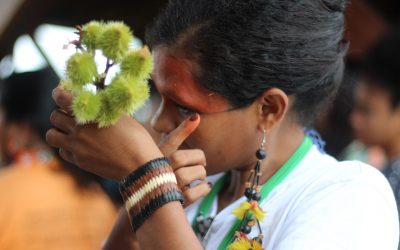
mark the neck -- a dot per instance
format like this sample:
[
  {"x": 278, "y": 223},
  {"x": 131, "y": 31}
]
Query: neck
[{"x": 279, "y": 150}]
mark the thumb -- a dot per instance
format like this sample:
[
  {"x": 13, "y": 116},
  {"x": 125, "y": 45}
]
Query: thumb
[
  {"x": 174, "y": 139},
  {"x": 63, "y": 99}
]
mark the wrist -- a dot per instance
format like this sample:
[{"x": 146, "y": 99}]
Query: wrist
[
  {"x": 148, "y": 188},
  {"x": 139, "y": 159}
]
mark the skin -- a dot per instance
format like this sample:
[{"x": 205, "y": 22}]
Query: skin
[
  {"x": 375, "y": 122},
  {"x": 227, "y": 138},
  {"x": 17, "y": 137}
]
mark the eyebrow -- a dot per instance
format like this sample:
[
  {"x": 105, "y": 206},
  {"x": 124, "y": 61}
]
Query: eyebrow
[
  {"x": 170, "y": 94},
  {"x": 181, "y": 102}
]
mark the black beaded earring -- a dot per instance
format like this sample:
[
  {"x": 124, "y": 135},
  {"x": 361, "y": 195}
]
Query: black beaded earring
[
  {"x": 249, "y": 212},
  {"x": 253, "y": 187}
]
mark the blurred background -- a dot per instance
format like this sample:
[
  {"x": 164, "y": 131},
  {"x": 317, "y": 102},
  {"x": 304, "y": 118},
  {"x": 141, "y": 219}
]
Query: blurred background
[{"x": 32, "y": 38}]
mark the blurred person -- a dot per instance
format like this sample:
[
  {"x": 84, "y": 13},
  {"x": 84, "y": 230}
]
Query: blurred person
[
  {"x": 376, "y": 116},
  {"x": 45, "y": 202}
]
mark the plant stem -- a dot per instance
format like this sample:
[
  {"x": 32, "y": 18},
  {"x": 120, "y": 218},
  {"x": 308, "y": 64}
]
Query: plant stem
[{"x": 101, "y": 83}]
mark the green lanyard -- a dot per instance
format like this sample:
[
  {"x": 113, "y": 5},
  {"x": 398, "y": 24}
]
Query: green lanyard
[
  {"x": 207, "y": 202},
  {"x": 266, "y": 189}
]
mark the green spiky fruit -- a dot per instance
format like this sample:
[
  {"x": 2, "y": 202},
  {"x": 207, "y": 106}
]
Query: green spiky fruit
[
  {"x": 90, "y": 33},
  {"x": 86, "y": 106},
  {"x": 67, "y": 85},
  {"x": 127, "y": 95},
  {"x": 107, "y": 114},
  {"x": 81, "y": 68},
  {"x": 114, "y": 40},
  {"x": 137, "y": 63}
]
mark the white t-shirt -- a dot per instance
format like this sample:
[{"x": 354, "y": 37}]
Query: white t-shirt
[{"x": 323, "y": 204}]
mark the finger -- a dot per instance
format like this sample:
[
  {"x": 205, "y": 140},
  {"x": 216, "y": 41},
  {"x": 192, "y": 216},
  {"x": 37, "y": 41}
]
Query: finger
[
  {"x": 66, "y": 155},
  {"x": 189, "y": 157},
  {"x": 57, "y": 139},
  {"x": 62, "y": 121},
  {"x": 63, "y": 99},
  {"x": 179, "y": 135},
  {"x": 185, "y": 176},
  {"x": 195, "y": 193}
]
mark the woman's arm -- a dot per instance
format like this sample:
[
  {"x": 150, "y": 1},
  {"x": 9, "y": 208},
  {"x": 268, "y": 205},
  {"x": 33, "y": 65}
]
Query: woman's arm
[
  {"x": 122, "y": 236},
  {"x": 124, "y": 146},
  {"x": 188, "y": 166}
]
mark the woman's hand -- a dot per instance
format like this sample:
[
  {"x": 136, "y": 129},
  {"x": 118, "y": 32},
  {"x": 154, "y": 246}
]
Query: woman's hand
[
  {"x": 189, "y": 167},
  {"x": 112, "y": 152},
  {"x": 189, "y": 164}
]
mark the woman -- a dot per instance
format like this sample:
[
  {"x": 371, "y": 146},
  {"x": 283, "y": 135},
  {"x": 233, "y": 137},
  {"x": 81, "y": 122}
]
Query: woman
[{"x": 239, "y": 80}]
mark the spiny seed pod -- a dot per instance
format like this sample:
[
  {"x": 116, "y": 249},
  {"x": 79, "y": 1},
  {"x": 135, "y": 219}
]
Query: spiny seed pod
[
  {"x": 81, "y": 68},
  {"x": 137, "y": 63},
  {"x": 86, "y": 106},
  {"x": 114, "y": 40},
  {"x": 90, "y": 33},
  {"x": 67, "y": 85},
  {"x": 126, "y": 94},
  {"x": 107, "y": 114}
]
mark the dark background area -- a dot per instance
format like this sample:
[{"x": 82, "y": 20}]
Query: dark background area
[{"x": 366, "y": 18}]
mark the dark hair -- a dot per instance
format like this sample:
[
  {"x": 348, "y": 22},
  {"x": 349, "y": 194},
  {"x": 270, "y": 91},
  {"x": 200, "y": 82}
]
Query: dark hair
[
  {"x": 381, "y": 65},
  {"x": 245, "y": 47},
  {"x": 26, "y": 97}
]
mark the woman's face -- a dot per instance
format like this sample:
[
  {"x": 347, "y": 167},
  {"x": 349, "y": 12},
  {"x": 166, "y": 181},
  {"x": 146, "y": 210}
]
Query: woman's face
[{"x": 229, "y": 138}]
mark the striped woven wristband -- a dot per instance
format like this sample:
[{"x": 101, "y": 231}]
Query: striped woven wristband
[{"x": 148, "y": 188}]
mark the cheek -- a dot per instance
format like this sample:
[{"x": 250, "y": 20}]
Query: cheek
[
  {"x": 227, "y": 144},
  {"x": 166, "y": 118},
  {"x": 376, "y": 128}
]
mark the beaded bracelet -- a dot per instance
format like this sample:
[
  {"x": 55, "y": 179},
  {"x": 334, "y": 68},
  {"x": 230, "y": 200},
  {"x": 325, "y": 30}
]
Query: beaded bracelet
[{"x": 148, "y": 188}]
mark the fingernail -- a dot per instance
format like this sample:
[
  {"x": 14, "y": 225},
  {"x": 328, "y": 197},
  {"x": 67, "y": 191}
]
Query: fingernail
[{"x": 194, "y": 117}]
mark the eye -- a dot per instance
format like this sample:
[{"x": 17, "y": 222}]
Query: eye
[{"x": 185, "y": 112}]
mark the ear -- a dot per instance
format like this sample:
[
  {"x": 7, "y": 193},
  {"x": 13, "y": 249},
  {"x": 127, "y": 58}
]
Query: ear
[{"x": 272, "y": 107}]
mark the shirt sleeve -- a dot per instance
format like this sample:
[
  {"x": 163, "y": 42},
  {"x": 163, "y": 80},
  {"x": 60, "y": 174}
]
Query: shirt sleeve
[{"x": 356, "y": 214}]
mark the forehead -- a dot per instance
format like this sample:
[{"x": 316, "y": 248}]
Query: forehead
[
  {"x": 173, "y": 77},
  {"x": 369, "y": 89},
  {"x": 371, "y": 93}
]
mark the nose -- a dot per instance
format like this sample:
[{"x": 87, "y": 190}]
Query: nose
[{"x": 162, "y": 121}]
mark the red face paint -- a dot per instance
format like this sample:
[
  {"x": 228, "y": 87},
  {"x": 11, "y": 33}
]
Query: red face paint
[{"x": 174, "y": 79}]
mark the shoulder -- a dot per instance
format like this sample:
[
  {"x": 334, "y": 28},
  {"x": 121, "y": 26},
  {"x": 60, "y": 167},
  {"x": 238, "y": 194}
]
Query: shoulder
[
  {"x": 343, "y": 205},
  {"x": 348, "y": 182},
  {"x": 357, "y": 176},
  {"x": 320, "y": 172}
]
